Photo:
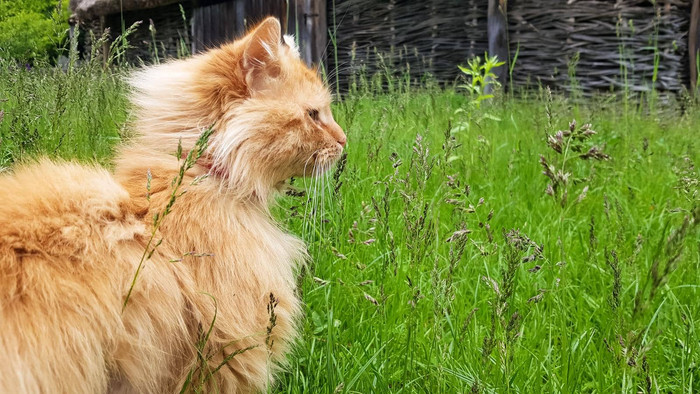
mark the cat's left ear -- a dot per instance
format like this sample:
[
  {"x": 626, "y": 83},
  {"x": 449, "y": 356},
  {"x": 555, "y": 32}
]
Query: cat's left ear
[{"x": 261, "y": 55}]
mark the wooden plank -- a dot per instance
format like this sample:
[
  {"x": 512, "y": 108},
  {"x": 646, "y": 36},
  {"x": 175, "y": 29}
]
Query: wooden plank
[
  {"x": 216, "y": 23},
  {"x": 206, "y": 28},
  {"x": 498, "y": 38},
  {"x": 305, "y": 30},
  {"x": 284, "y": 19},
  {"x": 302, "y": 21},
  {"x": 194, "y": 25},
  {"x": 204, "y": 37},
  {"x": 240, "y": 16},
  {"x": 219, "y": 16},
  {"x": 320, "y": 33},
  {"x": 231, "y": 27},
  {"x": 293, "y": 22}
]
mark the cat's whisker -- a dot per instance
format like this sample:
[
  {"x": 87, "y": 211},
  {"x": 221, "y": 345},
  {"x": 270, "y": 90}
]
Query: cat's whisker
[
  {"x": 317, "y": 171},
  {"x": 321, "y": 200},
  {"x": 308, "y": 189}
]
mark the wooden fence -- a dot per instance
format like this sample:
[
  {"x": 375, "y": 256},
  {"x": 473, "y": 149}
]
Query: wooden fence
[
  {"x": 163, "y": 31},
  {"x": 587, "y": 45},
  {"x": 590, "y": 45},
  {"x": 173, "y": 29},
  {"x": 216, "y": 21},
  {"x": 414, "y": 37},
  {"x": 601, "y": 45}
]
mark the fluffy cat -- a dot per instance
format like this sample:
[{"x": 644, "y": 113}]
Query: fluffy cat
[{"x": 72, "y": 236}]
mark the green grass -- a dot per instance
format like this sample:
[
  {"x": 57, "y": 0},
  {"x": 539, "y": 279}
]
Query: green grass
[
  {"x": 427, "y": 332},
  {"x": 391, "y": 306},
  {"x": 78, "y": 114}
]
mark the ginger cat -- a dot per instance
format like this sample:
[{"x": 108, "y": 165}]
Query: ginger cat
[{"x": 72, "y": 236}]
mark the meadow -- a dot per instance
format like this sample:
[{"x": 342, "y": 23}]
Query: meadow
[{"x": 530, "y": 243}]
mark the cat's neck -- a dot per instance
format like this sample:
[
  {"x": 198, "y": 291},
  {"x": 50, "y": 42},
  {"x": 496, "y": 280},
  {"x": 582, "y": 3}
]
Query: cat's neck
[{"x": 146, "y": 174}]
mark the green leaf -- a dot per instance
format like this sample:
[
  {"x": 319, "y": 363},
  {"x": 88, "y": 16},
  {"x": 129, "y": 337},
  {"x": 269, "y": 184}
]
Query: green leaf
[
  {"x": 492, "y": 117},
  {"x": 460, "y": 127}
]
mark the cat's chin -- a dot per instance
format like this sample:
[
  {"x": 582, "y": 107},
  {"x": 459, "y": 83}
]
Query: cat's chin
[
  {"x": 317, "y": 165},
  {"x": 323, "y": 166},
  {"x": 326, "y": 158}
]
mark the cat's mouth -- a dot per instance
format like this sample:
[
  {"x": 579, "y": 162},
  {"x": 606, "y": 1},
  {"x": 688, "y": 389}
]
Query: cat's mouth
[{"x": 324, "y": 159}]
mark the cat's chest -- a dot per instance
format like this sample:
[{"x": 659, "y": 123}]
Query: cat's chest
[
  {"x": 259, "y": 245},
  {"x": 234, "y": 241}
]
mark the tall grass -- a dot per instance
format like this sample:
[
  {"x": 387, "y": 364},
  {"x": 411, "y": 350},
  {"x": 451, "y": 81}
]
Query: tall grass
[
  {"x": 75, "y": 114},
  {"x": 75, "y": 111},
  {"x": 594, "y": 294},
  {"x": 440, "y": 262}
]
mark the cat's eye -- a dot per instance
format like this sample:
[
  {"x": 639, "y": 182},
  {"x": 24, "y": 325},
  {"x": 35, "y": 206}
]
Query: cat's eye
[{"x": 313, "y": 114}]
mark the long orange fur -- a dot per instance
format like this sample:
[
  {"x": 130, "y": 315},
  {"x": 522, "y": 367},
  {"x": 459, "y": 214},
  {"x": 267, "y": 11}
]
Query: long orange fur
[{"x": 72, "y": 236}]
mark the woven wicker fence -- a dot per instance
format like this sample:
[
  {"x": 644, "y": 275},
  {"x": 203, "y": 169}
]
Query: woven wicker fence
[
  {"x": 165, "y": 34},
  {"x": 417, "y": 37},
  {"x": 591, "y": 45}
]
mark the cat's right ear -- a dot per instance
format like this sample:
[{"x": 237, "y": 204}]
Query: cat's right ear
[{"x": 261, "y": 55}]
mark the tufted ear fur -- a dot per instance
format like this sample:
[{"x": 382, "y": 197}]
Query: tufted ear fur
[{"x": 260, "y": 60}]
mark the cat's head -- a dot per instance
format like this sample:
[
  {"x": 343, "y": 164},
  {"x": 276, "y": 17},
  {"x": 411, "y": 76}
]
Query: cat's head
[{"x": 271, "y": 112}]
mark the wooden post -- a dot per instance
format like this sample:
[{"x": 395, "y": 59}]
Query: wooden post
[
  {"x": 284, "y": 18},
  {"x": 693, "y": 41},
  {"x": 498, "y": 38},
  {"x": 307, "y": 21},
  {"x": 320, "y": 36},
  {"x": 304, "y": 25}
]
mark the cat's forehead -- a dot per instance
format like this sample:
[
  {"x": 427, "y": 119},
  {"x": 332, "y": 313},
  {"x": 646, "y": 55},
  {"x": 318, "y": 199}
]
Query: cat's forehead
[
  {"x": 307, "y": 92},
  {"x": 318, "y": 90},
  {"x": 305, "y": 84}
]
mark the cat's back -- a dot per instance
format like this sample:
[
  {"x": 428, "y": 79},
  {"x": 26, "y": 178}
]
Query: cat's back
[
  {"x": 60, "y": 226},
  {"x": 56, "y": 220},
  {"x": 55, "y": 204}
]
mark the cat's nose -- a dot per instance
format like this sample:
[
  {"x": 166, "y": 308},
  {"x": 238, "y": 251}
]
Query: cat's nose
[{"x": 337, "y": 132}]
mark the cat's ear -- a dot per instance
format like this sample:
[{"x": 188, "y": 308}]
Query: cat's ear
[{"x": 261, "y": 54}]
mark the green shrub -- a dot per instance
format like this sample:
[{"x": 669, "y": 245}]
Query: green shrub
[{"x": 32, "y": 30}]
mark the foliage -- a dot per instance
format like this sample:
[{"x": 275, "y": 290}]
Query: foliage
[
  {"x": 32, "y": 30},
  {"x": 46, "y": 111},
  {"x": 480, "y": 86},
  {"x": 480, "y": 77},
  {"x": 414, "y": 289},
  {"x": 438, "y": 266}
]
